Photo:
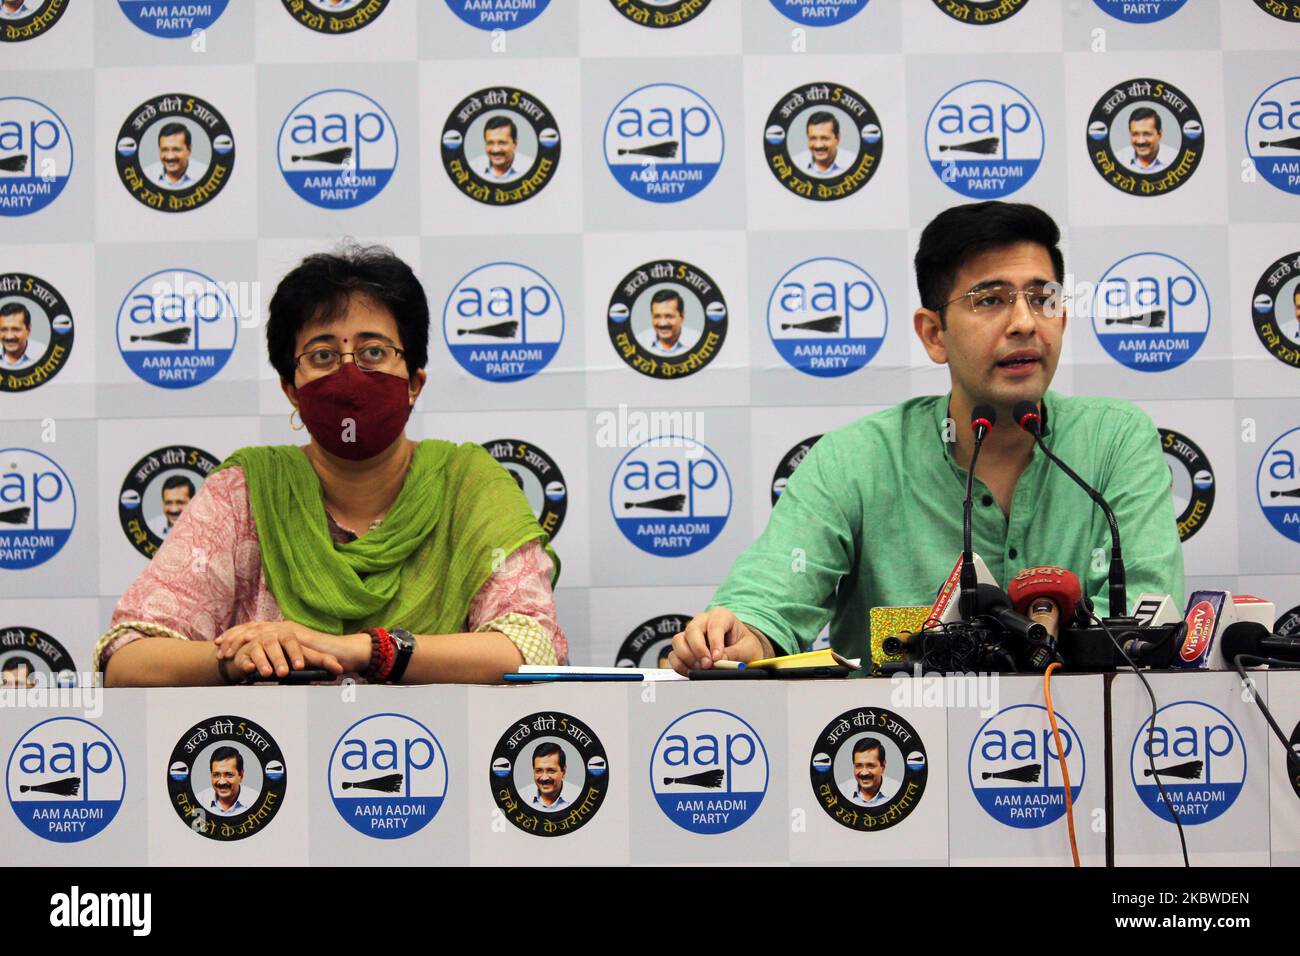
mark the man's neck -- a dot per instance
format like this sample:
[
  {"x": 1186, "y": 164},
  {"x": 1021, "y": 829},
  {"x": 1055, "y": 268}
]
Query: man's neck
[
  {"x": 362, "y": 491},
  {"x": 1007, "y": 446}
]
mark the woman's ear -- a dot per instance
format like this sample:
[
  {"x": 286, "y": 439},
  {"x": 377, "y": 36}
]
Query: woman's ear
[
  {"x": 290, "y": 392},
  {"x": 416, "y": 383}
]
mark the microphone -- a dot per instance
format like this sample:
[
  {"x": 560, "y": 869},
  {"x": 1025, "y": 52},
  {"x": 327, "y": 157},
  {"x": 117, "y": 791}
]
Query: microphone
[
  {"x": 1209, "y": 613},
  {"x": 1027, "y": 417},
  {"x": 1047, "y": 595},
  {"x": 993, "y": 601},
  {"x": 1255, "y": 640},
  {"x": 982, "y": 419}
]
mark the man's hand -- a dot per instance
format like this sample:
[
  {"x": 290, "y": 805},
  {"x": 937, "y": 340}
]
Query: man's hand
[
  {"x": 276, "y": 647},
  {"x": 713, "y": 636}
]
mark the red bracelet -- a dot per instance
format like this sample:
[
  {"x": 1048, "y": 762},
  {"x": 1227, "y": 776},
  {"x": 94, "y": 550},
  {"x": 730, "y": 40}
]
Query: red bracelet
[{"x": 381, "y": 655}]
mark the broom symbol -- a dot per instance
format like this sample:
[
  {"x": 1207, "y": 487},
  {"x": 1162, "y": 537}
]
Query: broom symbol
[
  {"x": 179, "y": 336},
  {"x": 1027, "y": 774},
  {"x": 1188, "y": 771},
  {"x": 1293, "y": 493},
  {"x": 1292, "y": 142},
  {"x": 14, "y": 164},
  {"x": 712, "y": 779},
  {"x": 1155, "y": 319},
  {"x": 67, "y": 787},
  {"x": 665, "y": 150},
  {"x": 16, "y": 515},
  {"x": 335, "y": 157},
  {"x": 668, "y": 503},
  {"x": 986, "y": 147},
  {"x": 830, "y": 323},
  {"x": 502, "y": 330},
  {"x": 389, "y": 783}
]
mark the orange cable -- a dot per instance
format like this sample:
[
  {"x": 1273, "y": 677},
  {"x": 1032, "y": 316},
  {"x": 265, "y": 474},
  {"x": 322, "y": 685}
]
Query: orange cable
[{"x": 1060, "y": 754}]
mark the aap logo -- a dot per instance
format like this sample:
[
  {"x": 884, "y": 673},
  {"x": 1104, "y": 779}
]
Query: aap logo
[
  {"x": 820, "y": 13},
  {"x": 1147, "y": 11},
  {"x": 670, "y": 496},
  {"x": 65, "y": 779},
  {"x": 1277, "y": 484},
  {"x": 664, "y": 142},
  {"x": 1014, "y": 766},
  {"x": 337, "y": 149},
  {"x": 827, "y": 317},
  {"x": 984, "y": 139},
  {"x": 38, "y": 508},
  {"x": 172, "y": 18},
  {"x": 498, "y": 14},
  {"x": 1151, "y": 311},
  {"x": 709, "y": 771},
  {"x": 35, "y": 156},
  {"x": 176, "y": 328},
  {"x": 388, "y": 776},
  {"x": 503, "y": 322},
  {"x": 1273, "y": 134},
  {"x": 1199, "y": 756}
]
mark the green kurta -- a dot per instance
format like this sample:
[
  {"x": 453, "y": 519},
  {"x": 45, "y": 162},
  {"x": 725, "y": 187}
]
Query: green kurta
[{"x": 872, "y": 517}]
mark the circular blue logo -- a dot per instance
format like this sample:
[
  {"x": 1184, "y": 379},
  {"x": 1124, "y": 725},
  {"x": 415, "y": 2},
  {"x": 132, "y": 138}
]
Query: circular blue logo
[
  {"x": 1277, "y": 484},
  {"x": 820, "y": 13},
  {"x": 1151, "y": 311},
  {"x": 38, "y": 508},
  {"x": 503, "y": 322},
  {"x": 1146, "y": 11},
  {"x": 1199, "y": 756},
  {"x": 172, "y": 18},
  {"x": 670, "y": 496},
  {"x": 498, "y": 14},
  {"x": 176, "y": 328},
  {"x": 827, "y": 317},
  {"x": 709, "y": 771},
  {"x": 664, "y": 142},
  {"x": 984, "y": 139},
  {"x": 1014, "y": 768},
  {"x": 387, "y": 776},
  {"x": 66, "y": 779},
  {"x": 1273, "y": 134},
  {"x": 35, "y": 156},
  {"x": 337, "y": 149}
]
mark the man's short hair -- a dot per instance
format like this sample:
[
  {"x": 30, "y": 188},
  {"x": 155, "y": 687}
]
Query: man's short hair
[
  {"x": 1145, "y": 113},
  {"x": 320, "y": 287},
  {"x": 16, "y": 662},
  {"x": 870, "y": 743},
  {"x": 497, "y": 122},
  {"x": 669, "y": 295},
  {"x": 178, "y": 481},
  {"x": 549, "y": 749},
  {"x": 824, "y": 116},
  {"x": 225, "y": 753},
  {"x": 14, "y": 308},
  {"x": 957, "y": 235},
  {"x": 171, "y": 129}
]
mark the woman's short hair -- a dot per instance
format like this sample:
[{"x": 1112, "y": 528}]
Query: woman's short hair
[{"x": 319, "y": 288}]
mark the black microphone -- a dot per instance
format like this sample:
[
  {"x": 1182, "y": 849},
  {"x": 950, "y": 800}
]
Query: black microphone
[
  {"x": 982, "y": 419},
  {"x": 1254, "y": 640},
  {"x": 1027, "y": 417},
  {"x": 994, "y": 602}
]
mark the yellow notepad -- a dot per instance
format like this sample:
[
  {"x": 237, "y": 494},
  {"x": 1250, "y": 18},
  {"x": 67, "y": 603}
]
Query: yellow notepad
[{"x": 822, "y": 658}]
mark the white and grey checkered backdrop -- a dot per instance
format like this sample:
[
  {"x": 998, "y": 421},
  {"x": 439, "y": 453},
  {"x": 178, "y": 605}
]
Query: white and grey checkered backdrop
[{"x": 657, "y": 145}]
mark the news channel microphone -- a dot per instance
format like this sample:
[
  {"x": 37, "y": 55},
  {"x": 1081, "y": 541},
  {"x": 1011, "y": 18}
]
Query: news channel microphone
[
  {"x": 1027, "y": 417},
  {"x": 982, "y": 419},
  {"x": 1048, "y": 596},
  {"x": 1250, "y": 639}
]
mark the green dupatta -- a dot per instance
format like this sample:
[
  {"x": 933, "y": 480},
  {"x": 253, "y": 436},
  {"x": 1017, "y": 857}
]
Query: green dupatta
[{"x": 458, "y": 515}]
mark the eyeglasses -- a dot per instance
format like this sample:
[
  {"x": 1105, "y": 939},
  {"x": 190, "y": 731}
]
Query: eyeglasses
[
  {"x": 370, "y": 358},
  {"x": 993, "y": 301}
]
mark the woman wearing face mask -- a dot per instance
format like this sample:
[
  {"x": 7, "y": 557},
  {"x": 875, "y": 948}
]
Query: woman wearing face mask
[{"x": 360, "y": 552}]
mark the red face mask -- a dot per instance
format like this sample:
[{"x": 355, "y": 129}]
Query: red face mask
[{"x": 355, "y": 414}]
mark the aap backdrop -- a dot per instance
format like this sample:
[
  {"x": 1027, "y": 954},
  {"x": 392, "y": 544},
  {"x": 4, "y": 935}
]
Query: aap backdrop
[{"x": 666, "y": 245}]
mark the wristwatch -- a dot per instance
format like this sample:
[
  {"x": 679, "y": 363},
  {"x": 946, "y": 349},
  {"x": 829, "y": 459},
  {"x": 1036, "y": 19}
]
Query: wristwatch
[{"x": 404, "y": 647}]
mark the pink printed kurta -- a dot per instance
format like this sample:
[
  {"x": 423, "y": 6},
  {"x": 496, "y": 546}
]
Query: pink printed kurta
[{"x": 207, "y": 577}]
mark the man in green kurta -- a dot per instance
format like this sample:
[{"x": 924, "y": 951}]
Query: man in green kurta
[{"x": 873, "y": 515}]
